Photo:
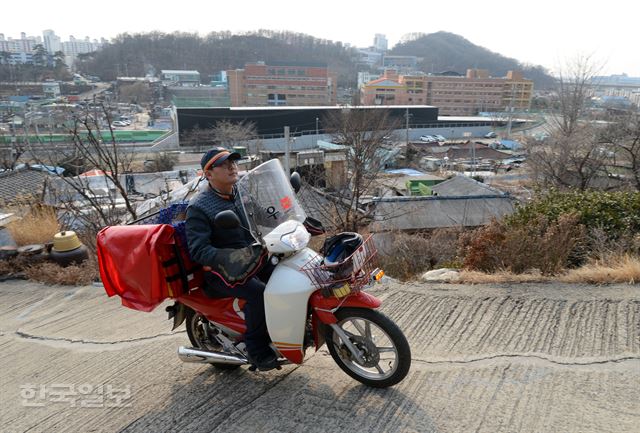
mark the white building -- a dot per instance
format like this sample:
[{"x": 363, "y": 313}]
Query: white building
[
  {"x": 380, "y": 42},
  {"x": 180, "y": 78},
  {"x": 52, "y": 42},
  {"x": 22, "y": 49},
  {"x": 51, "y": 89},
  {"x": 23, "y": 45},
  {"x": 365, "y": 77},
  {"x": 369, "y": 57},
  {"x": 74, "y": 46}
]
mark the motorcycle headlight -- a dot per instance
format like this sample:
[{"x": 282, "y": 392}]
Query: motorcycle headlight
[{"x": 297, "y": 239}]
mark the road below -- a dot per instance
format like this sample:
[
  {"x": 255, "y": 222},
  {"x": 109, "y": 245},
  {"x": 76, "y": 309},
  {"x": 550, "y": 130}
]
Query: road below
[{"x": 486, "y": 358}]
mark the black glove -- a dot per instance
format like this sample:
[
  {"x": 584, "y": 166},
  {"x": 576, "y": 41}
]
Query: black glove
[{"x": 235, "y": 265}]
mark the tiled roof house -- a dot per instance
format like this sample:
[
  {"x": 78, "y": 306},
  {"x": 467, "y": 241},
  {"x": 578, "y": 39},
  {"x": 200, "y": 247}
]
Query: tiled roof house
[{"x": 21, "y": 182}]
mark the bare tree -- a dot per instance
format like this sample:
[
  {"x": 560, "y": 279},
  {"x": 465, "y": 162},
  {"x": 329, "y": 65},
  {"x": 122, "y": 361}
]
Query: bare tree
[
  {"x": 574, "y": 161},
  {"x": 136, "y": 93},
  {"x": 573, "y": 89},
  {"x": 225, "y": 133},
  {"x": 162, "y": 161},
  {"x": 622, "y": 137},
  {"x": 572, "y": 156},
  {"x": 94, "y": 206},
  {"x": 197, "y": 137},
  {"x": 228, "y": 134},
  {"x": 363, "y": 132}
]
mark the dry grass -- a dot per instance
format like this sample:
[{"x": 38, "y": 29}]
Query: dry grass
[
  {"x": 49, "y": 272},
  {"x": 37, "y": 226},
  {"x": 620, "y": 269},
  {"x": 73, "y": 275},
  {"x": 616, "y": 269},
  {"x": 477, "y": 277}
]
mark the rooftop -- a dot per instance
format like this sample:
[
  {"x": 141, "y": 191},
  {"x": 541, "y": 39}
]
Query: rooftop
[{"x": 21, "y": 182}]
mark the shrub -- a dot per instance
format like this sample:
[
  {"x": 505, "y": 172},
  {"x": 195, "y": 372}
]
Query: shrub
[
  {"x": 610, "y": 221},
  {"x": 404, "y": 256},
  {"x": 615, "y": 213},
  {"x": 542, "y": 244}
]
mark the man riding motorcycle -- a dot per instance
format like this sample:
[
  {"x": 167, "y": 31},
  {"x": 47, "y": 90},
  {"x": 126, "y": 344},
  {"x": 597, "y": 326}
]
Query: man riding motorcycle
[{"x": 236, "y": 266}]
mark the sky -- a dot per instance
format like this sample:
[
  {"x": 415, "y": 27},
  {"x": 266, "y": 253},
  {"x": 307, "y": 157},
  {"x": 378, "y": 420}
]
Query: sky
[{"x": 543, "y": 32}]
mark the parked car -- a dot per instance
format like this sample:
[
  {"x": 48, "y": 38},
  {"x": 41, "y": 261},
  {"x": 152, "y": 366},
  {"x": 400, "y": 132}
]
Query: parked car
[
  {"x": 440, "y": 138},
  {"x": 490, "y": 134},
  {"x": 118, "y": 123},
  {"x": 428, "y": 138}
]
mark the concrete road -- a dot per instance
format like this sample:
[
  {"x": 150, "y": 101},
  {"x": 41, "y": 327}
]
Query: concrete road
[{"x": 524, "y": 358}]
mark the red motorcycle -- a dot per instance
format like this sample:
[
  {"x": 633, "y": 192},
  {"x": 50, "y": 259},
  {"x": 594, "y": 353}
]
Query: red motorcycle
[{"x": 310, "y": 299}]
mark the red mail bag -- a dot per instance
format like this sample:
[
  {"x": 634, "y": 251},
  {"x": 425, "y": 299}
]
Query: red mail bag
[{"x": 135, "y": 263}]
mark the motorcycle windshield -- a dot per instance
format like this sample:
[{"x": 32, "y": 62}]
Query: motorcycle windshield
[{"x": 268, "y": 199}]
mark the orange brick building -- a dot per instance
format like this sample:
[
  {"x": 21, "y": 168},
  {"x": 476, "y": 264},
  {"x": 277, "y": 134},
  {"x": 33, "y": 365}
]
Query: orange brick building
[
  {"x": 259, "y": 84},
  {"x": 453, "y": 95}
]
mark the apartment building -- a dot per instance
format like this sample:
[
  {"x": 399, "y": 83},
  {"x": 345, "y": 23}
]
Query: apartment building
[
  {"x": 18, "y": 51},
  {"x": 380, "y": 42},
  {"x": 52, "y": 42},
  {"x": 453, "y": 95},
  {"x": 21, "y": 50},
  {"x": 281, "y": 84}
]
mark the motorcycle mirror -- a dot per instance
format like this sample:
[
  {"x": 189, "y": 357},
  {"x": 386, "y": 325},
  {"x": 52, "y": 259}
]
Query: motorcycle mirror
[
  {"x": 227, "y": 219},
  {"x": 295, "y": 180}
]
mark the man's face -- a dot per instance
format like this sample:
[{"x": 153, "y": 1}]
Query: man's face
[{"x": 226, "y": 174}]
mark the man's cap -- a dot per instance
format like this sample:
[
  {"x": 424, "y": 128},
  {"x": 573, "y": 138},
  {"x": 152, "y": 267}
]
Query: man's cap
[{"x": 216, "y": 156}]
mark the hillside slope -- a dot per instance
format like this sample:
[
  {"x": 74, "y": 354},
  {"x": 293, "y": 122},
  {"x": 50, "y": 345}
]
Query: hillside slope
[{"x": 443, "y": 51}]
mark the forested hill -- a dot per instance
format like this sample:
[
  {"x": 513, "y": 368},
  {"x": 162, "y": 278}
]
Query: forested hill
[
  {"x": 443, "y": 51},
  {"x": 137, "y": 54}
]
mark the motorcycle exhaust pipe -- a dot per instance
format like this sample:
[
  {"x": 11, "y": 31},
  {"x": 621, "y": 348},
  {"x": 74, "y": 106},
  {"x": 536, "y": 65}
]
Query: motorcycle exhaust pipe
[{"x": 187, "y": 354}]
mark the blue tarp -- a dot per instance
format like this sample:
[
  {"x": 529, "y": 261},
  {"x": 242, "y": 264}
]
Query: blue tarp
[
  {"x": 405, "y": 171},
  {"x": 510, "y": 144},
  {"x": 40, "y": 167}
]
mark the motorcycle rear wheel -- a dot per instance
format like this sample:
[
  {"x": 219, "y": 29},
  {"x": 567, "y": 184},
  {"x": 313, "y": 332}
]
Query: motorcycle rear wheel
[
  {"x": 195, "y": 323},
  {"x": 386, "y": 352}
]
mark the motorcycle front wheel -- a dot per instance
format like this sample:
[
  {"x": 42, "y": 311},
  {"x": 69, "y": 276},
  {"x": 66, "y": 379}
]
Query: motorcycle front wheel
[{"x": 386, "y": 356}]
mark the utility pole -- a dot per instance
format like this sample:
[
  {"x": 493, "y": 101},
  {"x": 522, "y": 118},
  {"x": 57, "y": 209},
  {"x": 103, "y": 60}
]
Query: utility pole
[
  {"x": 406, "y": 115},
  {"x": 407, "y": 152},
  {"x": 511, "y": 107},
  {"x": 286, "y": 151},
  {"x": 473, "y": 158}
]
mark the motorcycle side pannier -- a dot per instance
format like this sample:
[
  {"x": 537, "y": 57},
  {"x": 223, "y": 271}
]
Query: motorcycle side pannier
[{"x": 144, "y": 264}]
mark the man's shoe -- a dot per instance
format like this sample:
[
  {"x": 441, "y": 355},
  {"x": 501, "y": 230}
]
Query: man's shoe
[{"x": 265, "y": 362}]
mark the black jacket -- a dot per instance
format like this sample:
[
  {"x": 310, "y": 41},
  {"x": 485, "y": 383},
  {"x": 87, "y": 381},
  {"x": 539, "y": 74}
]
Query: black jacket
[{"x": 202, "y": 237}]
